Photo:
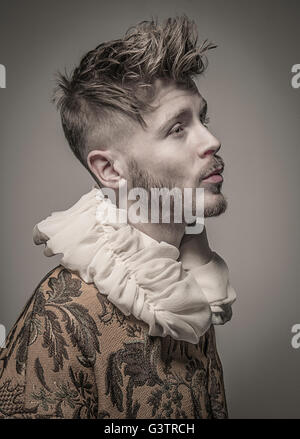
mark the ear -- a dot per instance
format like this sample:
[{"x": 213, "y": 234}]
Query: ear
[{"x": 104, "y": 167}]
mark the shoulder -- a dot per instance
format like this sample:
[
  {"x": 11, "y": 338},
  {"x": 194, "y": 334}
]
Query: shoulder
[
  {"x": 61, "y": 287},
  {"x": 65, "y": 318},
  {"x": 65, "y": 290},
  {"x": 64, "y": 339},
  {"x": 85, "y": 313}
]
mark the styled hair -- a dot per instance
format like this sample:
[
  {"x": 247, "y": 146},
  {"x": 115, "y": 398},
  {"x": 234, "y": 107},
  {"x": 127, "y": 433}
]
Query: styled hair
[{"x": 117, "y": 77}]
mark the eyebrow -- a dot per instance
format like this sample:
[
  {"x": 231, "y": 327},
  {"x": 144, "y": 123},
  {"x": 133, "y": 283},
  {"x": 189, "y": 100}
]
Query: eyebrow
[{"x": 185, "y": 112}]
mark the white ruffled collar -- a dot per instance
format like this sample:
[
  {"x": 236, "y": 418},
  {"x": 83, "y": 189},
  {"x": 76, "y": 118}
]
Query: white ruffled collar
[{"x": 139, "y": 275}]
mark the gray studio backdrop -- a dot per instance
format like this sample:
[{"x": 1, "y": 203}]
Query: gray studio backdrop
[{"x": 254, "y": 110}]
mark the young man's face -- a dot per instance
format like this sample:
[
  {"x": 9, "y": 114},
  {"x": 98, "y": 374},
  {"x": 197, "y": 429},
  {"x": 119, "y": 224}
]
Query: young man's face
[{"x": 176, "y": 149}]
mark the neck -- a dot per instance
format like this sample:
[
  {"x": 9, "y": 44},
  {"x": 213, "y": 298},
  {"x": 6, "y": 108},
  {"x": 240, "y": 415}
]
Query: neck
[
  {"x": 195, "y": 250},
  {"x": 170, "y": 233}
]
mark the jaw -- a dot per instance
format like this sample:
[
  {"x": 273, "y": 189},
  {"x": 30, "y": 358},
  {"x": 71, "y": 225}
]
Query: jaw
[{"x": 214, "y": 204}]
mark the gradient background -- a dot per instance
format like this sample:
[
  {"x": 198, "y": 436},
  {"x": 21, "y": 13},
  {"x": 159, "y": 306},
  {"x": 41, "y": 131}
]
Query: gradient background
[{"x": 253, "y": 110}]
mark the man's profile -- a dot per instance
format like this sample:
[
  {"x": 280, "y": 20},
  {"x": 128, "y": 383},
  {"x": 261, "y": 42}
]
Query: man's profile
[{"x": 124, "y": 326}]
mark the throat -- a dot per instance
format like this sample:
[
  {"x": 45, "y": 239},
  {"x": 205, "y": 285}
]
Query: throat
[{"x": 170, "y": 233}]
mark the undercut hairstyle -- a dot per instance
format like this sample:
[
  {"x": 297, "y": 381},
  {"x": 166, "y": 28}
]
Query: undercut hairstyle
[{"x": 115, "y": 80}]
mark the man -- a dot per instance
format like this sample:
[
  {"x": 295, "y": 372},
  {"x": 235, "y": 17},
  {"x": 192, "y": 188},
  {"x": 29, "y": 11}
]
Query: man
[{"x": 123, "y": 327}]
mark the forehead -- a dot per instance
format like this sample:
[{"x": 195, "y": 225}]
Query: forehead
[{"x": 171, "y": 97}]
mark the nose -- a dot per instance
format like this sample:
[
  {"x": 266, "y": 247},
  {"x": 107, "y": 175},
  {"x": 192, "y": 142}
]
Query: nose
[{"x": 209, "y": 144}]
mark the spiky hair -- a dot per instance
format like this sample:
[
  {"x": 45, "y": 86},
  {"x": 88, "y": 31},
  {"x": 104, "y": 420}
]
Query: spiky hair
[{"x": 118, "y": 76}]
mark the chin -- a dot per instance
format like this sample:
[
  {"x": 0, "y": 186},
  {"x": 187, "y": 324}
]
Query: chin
[{"x": 214, "y": 204}]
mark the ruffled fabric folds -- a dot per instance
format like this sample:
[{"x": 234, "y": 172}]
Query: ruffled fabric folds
[
  {"x": 213, "y": 278},
  {"x": 140, "y": 275}
]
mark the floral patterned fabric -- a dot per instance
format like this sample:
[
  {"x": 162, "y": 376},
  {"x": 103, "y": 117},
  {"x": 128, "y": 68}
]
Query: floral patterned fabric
[{"x": 74, "y": 354}]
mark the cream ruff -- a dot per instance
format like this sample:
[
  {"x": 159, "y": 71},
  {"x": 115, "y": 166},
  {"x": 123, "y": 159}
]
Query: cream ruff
[{"x": 138, "y": 274}]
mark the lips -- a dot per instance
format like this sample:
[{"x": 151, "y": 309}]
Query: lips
[{"x": 215, "y": 176}]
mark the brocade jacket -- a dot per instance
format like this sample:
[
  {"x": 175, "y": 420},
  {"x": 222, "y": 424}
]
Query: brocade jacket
[{"x": 73, "y": 354}]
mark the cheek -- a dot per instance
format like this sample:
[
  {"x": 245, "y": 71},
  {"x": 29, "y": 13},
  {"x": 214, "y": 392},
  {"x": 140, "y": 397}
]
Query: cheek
[
  {"x": 183, "y": 169},
  {"x": 158, "y": 162},
  {"x": 172, "y": 167},
  {"x": 176, "y": 163}
]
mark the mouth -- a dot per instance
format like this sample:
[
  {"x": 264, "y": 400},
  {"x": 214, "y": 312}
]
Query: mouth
[{"x": 214, "y": 177}]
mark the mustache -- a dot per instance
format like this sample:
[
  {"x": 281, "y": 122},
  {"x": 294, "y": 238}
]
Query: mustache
[{"x": 217, "y": 163}]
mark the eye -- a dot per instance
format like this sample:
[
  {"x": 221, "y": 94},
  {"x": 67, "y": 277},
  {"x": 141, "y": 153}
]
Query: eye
[
  {"x": 177, "y": 129},
  {"x": 204, "y": 119}
]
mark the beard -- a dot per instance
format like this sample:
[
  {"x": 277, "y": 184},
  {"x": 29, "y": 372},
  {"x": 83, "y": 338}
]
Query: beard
[
  {"x": 214, "y": 201},
  {"x": 217, "y": 205}
]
